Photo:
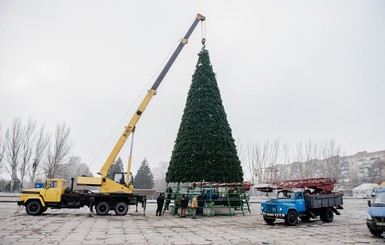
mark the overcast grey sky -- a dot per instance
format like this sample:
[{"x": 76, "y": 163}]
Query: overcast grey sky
[{"x": 288, "y": 70}]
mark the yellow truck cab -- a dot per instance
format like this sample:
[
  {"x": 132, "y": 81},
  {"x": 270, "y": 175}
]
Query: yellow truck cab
[{"x": 35, "y": 200}]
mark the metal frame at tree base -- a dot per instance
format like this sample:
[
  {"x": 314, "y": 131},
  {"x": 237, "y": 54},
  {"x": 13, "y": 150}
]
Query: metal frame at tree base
[{"x": 214, "y": 198}]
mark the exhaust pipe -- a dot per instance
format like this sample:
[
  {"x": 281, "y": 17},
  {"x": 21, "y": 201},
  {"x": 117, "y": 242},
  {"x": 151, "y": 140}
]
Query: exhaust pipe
[{"x": 72, "y": 184}]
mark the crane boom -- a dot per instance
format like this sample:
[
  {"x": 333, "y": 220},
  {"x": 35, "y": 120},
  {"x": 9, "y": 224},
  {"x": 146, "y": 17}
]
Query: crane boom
[
  {"x": 176, "y": 52},
  {"x": 135, "y": 118}
]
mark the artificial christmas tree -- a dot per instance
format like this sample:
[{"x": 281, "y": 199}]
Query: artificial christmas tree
[{"x": 204, "y": 149}]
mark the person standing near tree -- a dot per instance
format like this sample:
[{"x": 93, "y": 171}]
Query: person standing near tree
[
  {"x": 183, "y": 205},
  {"x": 194, "y": 206},
  {"x": 177, "y": 203},
  {"x": 160, "y": 201}
]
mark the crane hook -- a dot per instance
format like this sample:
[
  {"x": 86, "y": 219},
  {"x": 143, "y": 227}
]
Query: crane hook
[{"x": 203, "y": 42}]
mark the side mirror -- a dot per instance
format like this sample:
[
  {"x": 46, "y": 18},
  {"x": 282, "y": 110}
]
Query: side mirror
[{"x": 369, "y": 203}]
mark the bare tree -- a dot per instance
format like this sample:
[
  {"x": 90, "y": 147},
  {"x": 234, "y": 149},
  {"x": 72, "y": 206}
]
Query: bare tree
[
  {"x": 286, "y": 170},
  {"x": 83, "y": 169},
  {"x": 41, "y": 144},
  {"x": 311, "y": 158},
  {"x": 2, "y": 150},
  {"x": 26, "y": 149},
  {"x": 74, "y": 168},
  {"x": 306, "y": 155},
  {"x": 255, "y": 160},
  {"x": 247, "y": 159},
  {"x": 377, "y": 169},
  {"x": 261, "y": 161},
  {"x": 13, "y": 145},
  {"x": 354, "y": 179},
  {"x": 330, "y": 159},
  {"x": 58, "y": 153},
  {"x": 299, "y": 157},
  {"x": 271, "y": 155}
]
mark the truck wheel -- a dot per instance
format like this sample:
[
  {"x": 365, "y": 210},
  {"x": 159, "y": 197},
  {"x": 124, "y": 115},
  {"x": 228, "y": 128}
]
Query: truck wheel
[
  {"x": 291, "y": 218},
  {"x": 121, "y": 208},
  {"x": 375, "y": 232},
  {"x": 102, "y": 208},
  {"x": 269, "y": 220},
  {"x": 327, "y": 215},
  {"x": 34, "y": 207}
]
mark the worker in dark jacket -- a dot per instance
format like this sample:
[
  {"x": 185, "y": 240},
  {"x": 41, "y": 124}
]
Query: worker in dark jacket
[
  {"x": 183, "y": 205},
  {"x": 160, "y": 201}
]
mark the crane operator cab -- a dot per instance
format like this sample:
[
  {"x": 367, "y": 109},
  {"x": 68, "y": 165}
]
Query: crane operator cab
[{"x": 120, "y": 177}]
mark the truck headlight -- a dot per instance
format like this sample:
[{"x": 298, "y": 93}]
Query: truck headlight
[
  {"x": 280, "y": 209},
  {"x": 262, "y": 207},
  {"x": 368, "y": 217}
]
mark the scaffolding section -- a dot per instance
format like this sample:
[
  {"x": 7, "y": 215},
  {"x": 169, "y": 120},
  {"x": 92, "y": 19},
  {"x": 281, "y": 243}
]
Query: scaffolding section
[{"x": 213, "y": 198}]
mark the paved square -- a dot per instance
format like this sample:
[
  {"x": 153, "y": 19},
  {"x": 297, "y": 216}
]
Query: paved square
[{"x": 66, "y": 226}]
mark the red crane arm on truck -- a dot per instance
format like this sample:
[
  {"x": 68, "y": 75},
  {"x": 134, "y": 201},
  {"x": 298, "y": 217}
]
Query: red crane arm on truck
[{"x": 319, "y": 184}]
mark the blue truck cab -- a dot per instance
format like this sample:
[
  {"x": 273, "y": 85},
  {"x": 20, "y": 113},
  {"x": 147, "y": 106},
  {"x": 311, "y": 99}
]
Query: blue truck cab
[
  {"x": 376, "y": 214},
  {"x": 290, "y": 206}
]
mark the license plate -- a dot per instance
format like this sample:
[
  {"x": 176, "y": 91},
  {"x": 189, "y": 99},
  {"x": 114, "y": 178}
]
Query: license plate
[{"x": 269, "y": 214}]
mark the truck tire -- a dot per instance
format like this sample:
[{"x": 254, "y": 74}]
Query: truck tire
[
  {"x": 376, "y": 232},
  {"x": 327, "y": 215},
  {"x": 121, "y": 208},
  {"x": 269, "y": 220},
  {"x": 291, "y": 218},
  {"x": 34, "y": 207},
  {"x": 102, "y": 208}
]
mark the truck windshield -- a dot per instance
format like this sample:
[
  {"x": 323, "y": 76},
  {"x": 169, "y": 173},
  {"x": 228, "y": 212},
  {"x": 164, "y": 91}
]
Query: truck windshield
[
  {"x": 51, "y": 184},
  {"x": 285, "y": 194},
  {"x": 120, "y": 177},
  {"x": 380, "y": 199}
]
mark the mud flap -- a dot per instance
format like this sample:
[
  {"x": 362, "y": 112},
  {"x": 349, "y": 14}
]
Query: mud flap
[{"x": 335, "y": 210}]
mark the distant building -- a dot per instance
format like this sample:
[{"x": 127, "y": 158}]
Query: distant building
[
  {"x": 159, "y": 174},
  {"x": 363, "y": 167}
]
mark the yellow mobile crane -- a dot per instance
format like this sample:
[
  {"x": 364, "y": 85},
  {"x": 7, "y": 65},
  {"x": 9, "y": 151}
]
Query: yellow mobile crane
[
  {"x": 108, "y": 185},
  {"x": 112, "y": 195}
]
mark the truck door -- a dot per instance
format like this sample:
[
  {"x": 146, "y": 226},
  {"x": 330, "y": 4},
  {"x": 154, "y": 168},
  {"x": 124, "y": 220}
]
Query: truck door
[
  {"x": 52, "y": 193},
  {"x": 300, "y": 202}
]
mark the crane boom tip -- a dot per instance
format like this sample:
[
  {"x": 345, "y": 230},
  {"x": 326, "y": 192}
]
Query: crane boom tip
[{"x": 201, "y": 17}]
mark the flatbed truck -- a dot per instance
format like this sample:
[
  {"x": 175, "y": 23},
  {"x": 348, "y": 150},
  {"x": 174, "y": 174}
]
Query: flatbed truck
[{"x": 291, "y": 205}]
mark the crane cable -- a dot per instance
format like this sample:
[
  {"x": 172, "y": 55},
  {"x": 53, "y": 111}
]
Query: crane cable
[
  {"x": 118, "y": 125},
  {"x": 203, "y": 34}
]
